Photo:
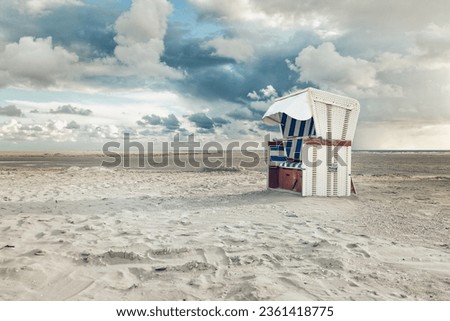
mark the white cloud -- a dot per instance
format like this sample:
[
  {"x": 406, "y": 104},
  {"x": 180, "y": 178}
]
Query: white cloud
[
  {"x": 431, "y": 51},
  {"x": 103, "y": 132},
  {"x": 269, "y": 92},
  {"x": 398, "y": 66},
  {"x": 145, "y": 20},
  {"x": 433, "y": 46},
  {"x": 140, "y": 38},
  {"x": 327, "y": 17},
  {"x": 118, "y": 107},
  {"x": 39, "y": 7},
  {"x": 35, "y": 62},
  {"x": 325, "y": 67},
  {"x": 264, "y": 93},
  {"x": 57, "y": 131},
  {"x": 237, "y": 49},
  {"x": 253, "y": 95},
  {"x": 391, "y": 86},
  {"x": 251, "y": 11},
  {"x": 50, "y": 130}
]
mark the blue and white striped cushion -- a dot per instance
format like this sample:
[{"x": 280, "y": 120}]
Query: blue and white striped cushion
[
  {"x": 277, "y": 153},
  {"x": 291, "y": 165}
]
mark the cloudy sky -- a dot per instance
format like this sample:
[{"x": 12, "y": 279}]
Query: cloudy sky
[{"x": 75, "y": 74}]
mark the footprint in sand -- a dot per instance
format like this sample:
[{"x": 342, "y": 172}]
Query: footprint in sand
[
  {"x": 58, "y": 232},
  {"x": 217, "y": 257},
  {"x": 355, "y": 248},
  {"x": 67, "y": 287},
  {"x": 40, "y": 235}
]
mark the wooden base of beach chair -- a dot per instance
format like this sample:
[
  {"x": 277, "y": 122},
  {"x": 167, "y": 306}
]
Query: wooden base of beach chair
[{"x": 290, "y": 179}]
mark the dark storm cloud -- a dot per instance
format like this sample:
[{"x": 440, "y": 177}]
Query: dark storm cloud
[
  {"x": 220, "y": 121},
  {"x": 150, "y": 120},
  {"x": 205, "y": 130},
  {"x": 201, "y": 120},
  {"x": 185, "y": 52},
  {"x": 69, "y": 109},
  {"x": 268, "y": 128},
  {"x": 232, "y": 82},
  {"x": 213, "y": 77},
  {"x": 11, "y": 111},
  {"x": 246, "y": 112},
  {"x": 241, "y": 114},
  {"x": 170, "y": 123},
  {"x": 206, "y": 124},
  {"x": 258, "y": 113},
  {"x": 85, "y": 29}
]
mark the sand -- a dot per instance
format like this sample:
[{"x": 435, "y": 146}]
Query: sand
[{"x": 90, "y": 233}]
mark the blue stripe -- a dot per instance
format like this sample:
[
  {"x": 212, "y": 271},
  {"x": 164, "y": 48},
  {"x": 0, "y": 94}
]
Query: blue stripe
[
  {"x": 302, "y": 128},
  {"x": 311, "y": 126},
  {"x": 288, "y": 148},
  {"x": 278, "y": 158},
  {"x": 291, "y": 133},
  {"x": 298, "y": 149},
  {"x": 298, "y": 142},
  {"x": 286, "y": 133},
  {"x": 283, "y": 123},
  {"x": 277, "y": 147},
  {"x": 292, "y": 128}
]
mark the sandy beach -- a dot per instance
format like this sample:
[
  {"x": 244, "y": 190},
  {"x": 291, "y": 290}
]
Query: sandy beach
[{"x": 93, "y": 233}]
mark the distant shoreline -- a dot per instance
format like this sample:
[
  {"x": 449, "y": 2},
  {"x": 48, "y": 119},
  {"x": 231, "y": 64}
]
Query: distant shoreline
[
  {"x": 407, "y": 163},
  {"x": 133, "y": 154}
]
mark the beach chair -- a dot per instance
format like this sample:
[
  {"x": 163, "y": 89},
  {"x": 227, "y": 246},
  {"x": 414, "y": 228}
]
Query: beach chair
[{"x": 318, "y": 129}]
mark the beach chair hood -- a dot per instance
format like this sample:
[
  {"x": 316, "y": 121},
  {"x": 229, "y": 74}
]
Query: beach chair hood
[{"x": 317, "y": 107}]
